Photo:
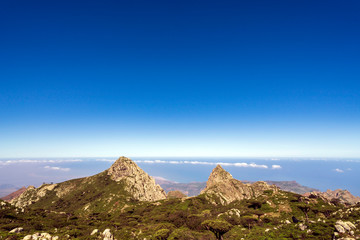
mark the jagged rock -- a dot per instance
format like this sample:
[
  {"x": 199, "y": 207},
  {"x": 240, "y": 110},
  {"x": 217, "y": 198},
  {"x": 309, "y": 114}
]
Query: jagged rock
[
  {"x": 95, "y": 231},
  {"x": 343, "y": 227},
  {"x": 222, "y": 185},
  {"x": 107, "y": 234},
  {"x": 339, "y": 228},
  {"x": 17, "y": 230},
  {"x": 32, "y": 195},
  {"x": 231, "y": 212},
  {"x": 141, "y": 186},
  {"x": 344, "y": 196},
  {"x": 40, "y": 236}
]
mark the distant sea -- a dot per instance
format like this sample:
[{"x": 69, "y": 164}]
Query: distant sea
[{"x": 322, "y": 174}]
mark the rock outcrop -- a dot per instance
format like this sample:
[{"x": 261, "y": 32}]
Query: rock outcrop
[
  {"x": 176, "y": 194},
  {"x": 138, "y": 183},
  {"x": 32, "y": 195},
  {"x": 343, "y": 196},
  {"x": 226, "y": 189},
  {"x": 40, "y": 236},
  {"x": 123, "y": 181}
]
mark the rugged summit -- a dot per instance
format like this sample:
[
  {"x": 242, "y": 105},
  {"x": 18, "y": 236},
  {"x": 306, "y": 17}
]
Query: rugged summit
[
  {"x": 122, "y": 182},
  {"x": 221, "y": 185},
  {"x": 141, "y": 186},
  {"x": 344, "y": 196}
]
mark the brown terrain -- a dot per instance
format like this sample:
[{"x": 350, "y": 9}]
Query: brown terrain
[{"x": 14, "y": 194}]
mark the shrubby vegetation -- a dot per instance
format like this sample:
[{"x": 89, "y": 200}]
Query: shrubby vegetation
[{"x": 269, "y": 216}]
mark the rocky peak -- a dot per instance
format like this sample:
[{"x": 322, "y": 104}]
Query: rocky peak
[
  {"x": 141, "y": 186},
  {"x": 218, "y": 175},
  {"x": 222, "y": 186},
  {"x": 124, "y": 167}
]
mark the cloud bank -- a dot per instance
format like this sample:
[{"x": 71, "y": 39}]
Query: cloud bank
[
  {"x": 9, "y": 162},
  {"x": 57, "y": 168},
  {"x": 237, "y": 164}
]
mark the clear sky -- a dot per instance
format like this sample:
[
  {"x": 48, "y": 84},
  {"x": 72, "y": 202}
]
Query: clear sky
[{"x": 179, "y": 78}]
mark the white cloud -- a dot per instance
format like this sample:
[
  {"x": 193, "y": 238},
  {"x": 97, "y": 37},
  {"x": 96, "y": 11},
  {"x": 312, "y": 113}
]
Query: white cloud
[
  {"x": 238, "y": 164},
  {"x": 339, "y": 170},
  {"x": 276, "y": 167},
  {"x": 160, "y": 178},
  {"x": 57, "y": 168},
  {"x": 105, "y": 160},
  {"x": 17, "y": 161}
]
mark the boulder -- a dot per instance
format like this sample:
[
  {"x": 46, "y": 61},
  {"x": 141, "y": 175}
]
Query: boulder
[
  {"x": 107, "y": 234},
  {"x": 339, "y": 229},
  {"x": 17, "y": 230}
]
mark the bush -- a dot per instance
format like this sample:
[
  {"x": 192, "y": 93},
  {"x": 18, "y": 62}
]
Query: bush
[
  {"x": 218, "y": 227},
  {"x": 162, "y": 234}
]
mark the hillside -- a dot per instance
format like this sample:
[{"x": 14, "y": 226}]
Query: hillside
[
  {"x": 108, "y": 206},
  {"x": 123, "y": 182}
]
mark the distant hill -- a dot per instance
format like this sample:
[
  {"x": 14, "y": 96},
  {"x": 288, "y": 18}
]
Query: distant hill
[
  {"x": 190, "y": 189},
  {"x": 6, "y": 189},
  {"x": 194, "y": 188},
  {"x": 292, "y": 186},
  {"x": 14, "y": 194}
]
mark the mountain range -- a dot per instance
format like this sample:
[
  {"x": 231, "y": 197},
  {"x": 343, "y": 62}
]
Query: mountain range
[{"x": 124, "y": 202}]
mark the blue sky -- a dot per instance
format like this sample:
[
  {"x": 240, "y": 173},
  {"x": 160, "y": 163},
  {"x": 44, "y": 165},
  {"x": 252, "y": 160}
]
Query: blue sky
[{"x": 180, "y": 78}]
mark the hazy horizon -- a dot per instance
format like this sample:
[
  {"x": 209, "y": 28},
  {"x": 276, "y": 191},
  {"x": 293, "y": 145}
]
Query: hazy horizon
[{"x": 320, "y": 174}]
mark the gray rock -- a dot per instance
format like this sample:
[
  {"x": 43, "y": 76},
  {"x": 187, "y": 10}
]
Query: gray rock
[
  {"x": 302, "y": 227},
  {"x": 107, "y": 234},
  {"x": 339, "y": 228},
  {"x": 17, "y": 230}
]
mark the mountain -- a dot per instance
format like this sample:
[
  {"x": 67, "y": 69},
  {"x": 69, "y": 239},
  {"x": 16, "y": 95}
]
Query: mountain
[
  {"x": 6, "y": 189},
  {"x": 190, "y": 189},
  {"x": 226, "y": 189},
  {"x": 338, "y": 195},
  {"x": 194, "y": 188},
  {"x": 14, "y": 194},
  {"x": 123, "y": 203},
  {"x": 124, "y": 181},
  {"x": 138, "y": 183},
  {"x": 292, "y": 186}
]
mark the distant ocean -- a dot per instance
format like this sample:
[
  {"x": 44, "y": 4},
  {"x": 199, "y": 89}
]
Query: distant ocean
[{"x": 322, "y": 174}]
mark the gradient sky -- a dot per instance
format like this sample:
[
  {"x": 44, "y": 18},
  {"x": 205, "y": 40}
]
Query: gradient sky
[{"x": 179, "y": 78}]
